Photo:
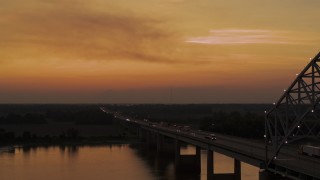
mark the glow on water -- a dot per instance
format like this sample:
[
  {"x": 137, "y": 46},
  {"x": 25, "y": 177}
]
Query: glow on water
[{"x": 116, "y": 162}]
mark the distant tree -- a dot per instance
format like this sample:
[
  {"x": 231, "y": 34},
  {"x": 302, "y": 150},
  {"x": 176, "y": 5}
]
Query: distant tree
[
  {"x": 13, "y": 118},
  {"x": 9, "y": 136},
  {"x": 34, "y": 136},
  {"x": 62, "y": 135},
  {"x": 93, "y": 117},
  {"x": 34, "y": 119},
  {"x": 26, "y": 135},
  {"x": 72, "y": 133},
  {"x": 234, "y": 123}
]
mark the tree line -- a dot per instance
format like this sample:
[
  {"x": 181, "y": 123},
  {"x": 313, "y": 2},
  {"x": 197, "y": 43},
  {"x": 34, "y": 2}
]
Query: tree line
[{"x": 248, "y": 125}]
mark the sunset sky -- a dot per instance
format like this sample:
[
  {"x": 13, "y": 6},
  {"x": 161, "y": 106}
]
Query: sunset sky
[{"x": 154, "y": 51}]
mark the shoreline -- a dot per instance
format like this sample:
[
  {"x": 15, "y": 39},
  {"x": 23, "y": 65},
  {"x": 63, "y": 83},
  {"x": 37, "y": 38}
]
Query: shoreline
[{"x": 74, "y": 142}]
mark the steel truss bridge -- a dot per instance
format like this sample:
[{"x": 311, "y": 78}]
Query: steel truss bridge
[{"x": 294, "y": 117}]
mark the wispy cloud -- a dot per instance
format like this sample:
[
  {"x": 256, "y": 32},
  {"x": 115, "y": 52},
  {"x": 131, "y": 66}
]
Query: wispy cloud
[
  {"x": 85, "y": 35},
  {"x": 57, "y": 31},
  {"x": 243, "y": 36}
]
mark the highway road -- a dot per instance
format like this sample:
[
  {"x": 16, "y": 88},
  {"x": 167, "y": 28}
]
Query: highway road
[{"x": 246, "y": 150}]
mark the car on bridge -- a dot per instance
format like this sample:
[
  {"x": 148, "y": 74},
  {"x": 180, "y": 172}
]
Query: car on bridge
[
  {"x": 211, "y": 137},
  {"x": 310, "y": 150},
  {"x": 186, "y": 128}
]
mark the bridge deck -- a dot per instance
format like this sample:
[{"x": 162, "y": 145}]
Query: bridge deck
[{"x": 288, "y": 163}]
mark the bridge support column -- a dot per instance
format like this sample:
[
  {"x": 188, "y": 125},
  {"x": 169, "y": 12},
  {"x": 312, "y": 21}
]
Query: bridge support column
[
  {"x": 164, "y": 146},
  {"x": 151, "y": 139},
  {"x": 187, "y": 163},
  {"x": 210, "y": 170},
  {"x": 237, "y": 169},
  {"x": 142, "y": 133},
  {"x": 236, "y": 175},
  {"x": 148, "y": 137},
  {"x": 176, "y": 154},
  {"x": 198, "y": 159},
  {"x": 159, "y": 143}
]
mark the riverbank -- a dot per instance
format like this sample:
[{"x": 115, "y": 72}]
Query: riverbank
[{"x": 72, "y": 142}]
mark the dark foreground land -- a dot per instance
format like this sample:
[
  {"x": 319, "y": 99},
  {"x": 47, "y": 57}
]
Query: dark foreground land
[{"x": 69, "y": 124}]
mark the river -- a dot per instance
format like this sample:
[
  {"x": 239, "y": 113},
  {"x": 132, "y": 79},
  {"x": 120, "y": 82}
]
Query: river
[{"x": 104, "y": 162}]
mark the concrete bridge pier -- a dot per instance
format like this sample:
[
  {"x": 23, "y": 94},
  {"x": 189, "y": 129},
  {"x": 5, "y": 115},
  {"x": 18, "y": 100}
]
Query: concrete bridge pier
[
  {"x": 187, "y": 163},
  {"x": 164, "y": 145},
  {"x": 236, "y": 175},
  {"x": 145, "y": 135},
  {"x": 142, "y": 134},
  {"x": 159, "y": 143},
  {"x": 151, "y": 139},
  {"x": 148, "y": 137},
  {"x": 210, "y": 164}
]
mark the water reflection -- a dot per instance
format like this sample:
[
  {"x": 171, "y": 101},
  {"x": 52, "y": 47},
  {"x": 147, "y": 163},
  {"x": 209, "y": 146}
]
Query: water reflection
[
  {"x": 72, "y": 151},
  {"x": 111, "y": 161},
  {"x": 162, "y": 165},
  {"x": 8, "y": 150}
]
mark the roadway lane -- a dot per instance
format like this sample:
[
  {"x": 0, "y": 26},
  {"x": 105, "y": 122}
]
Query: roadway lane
[{"x": 246, "y": 150}]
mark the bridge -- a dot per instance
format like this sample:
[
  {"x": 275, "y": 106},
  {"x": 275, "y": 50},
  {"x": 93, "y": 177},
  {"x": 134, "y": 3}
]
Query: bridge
[{"x": 295, "y": 116}]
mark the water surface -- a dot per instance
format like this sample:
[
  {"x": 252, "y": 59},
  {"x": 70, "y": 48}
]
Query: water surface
[{"x": 114, "y": 162}]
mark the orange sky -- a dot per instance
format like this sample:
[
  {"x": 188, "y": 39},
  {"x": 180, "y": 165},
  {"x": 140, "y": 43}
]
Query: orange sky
[{"x": 159, "y": 51}]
